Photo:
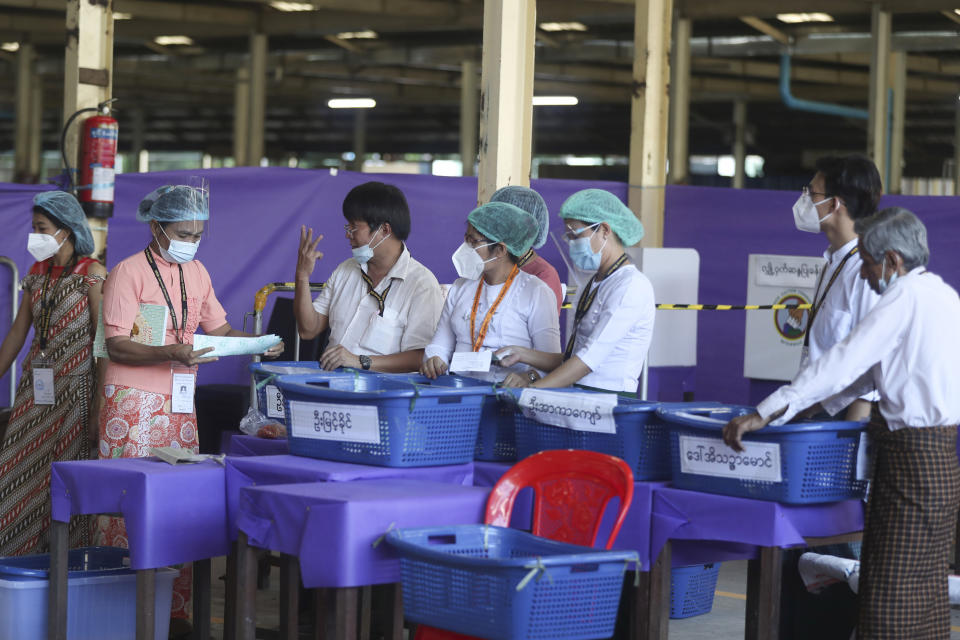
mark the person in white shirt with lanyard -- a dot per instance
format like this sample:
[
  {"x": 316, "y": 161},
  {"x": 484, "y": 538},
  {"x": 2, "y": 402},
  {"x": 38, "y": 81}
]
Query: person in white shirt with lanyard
[
  {"x": 615, "y": 312},
  {"x": 907, "y": 348},
  {"x": 381, "y": 305},
  {"x": 842, "y": 191},
  {"x": 494, "y": 303}
]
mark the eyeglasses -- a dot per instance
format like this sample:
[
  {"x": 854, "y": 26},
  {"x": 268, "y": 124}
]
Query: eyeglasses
[
  {"x": 475, "y": 243},
  {"x": 350, "y": 229},
  {"x": 807, "y": 191},
  {"x": 572, "y": 234}
]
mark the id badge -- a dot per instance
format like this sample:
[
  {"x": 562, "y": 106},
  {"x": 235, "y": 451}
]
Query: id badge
[
  {"x": 804, "y": 358},
  {"x": 43, "y": 388},
  {"x": 181, "y": 394}
]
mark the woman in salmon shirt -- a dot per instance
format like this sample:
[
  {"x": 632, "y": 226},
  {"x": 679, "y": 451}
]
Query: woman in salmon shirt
[{"x": 144, "y": 405}]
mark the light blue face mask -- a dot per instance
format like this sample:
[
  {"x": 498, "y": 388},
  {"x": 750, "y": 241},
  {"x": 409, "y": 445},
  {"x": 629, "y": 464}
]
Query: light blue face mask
[
  {"x": 883, "y": 283},
  {"x": 179, "y": 252},
  {"x": 581, "y": 251},
  {"x": 364, "y": 253}
]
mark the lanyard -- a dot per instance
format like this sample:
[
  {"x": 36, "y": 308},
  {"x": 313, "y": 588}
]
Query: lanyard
[
  {"x": 527, "y": 257},
  {"x": 166, "y": 296},
  {"x": 816, "y": 305},
  {"x": 47, "y": 303},
  {"x": 487, "y": 318},
  {"x": 586, "y": 300},
  {"x": 381, "y": 298}
]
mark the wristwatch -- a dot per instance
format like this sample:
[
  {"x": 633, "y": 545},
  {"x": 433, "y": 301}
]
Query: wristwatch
[
  {"x": 365, "y": 362},
  {"x": 532, "y": 375}
]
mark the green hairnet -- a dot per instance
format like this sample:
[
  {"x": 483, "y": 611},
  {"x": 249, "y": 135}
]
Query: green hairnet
[
  {"x": 174, "y": 203},
  {"x": 63, "y": 207},
  {"x": 530, "y": 201},
  {"x": 502, "y": 222},
  {"x": 596, "y": 205}
]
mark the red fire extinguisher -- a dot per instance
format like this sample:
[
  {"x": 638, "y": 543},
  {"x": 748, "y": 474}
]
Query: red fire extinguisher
[{"x": 97, "y": 154}]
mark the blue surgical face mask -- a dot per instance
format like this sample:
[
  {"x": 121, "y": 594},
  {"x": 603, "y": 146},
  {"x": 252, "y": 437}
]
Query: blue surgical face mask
[
  {"x": 581, "y": 251},
  {"x": 364, "y": 253},
  {"x": 179, "y": 252},
  {"x": 883, "y": 283}
]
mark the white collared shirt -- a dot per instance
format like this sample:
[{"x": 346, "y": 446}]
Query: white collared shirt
[
  {"x": 614, "y": 336},
  {"x": 410, "y": 311},
  {"x": 527, "y": 316},
  {"x": 907, "y": 347}
]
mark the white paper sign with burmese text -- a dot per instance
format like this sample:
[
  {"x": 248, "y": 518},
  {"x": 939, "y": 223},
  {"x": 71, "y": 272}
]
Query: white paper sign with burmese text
[
  {"x": 274, "y": 401},
  {"x": 711, "y": 457},
  {"x": 344, "y": 422},
  {"x": 466, "y": 361},
  {"x": 577, "y": 411}
]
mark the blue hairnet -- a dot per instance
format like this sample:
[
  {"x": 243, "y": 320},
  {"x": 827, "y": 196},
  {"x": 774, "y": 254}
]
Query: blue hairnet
[
  {"x": 530, "y": 201},
  {"x": 174, "y": 203},
  {"x": 596, "y": 205},
  {"x": 65, "y": 209},
  {"x": 502, "y": 222}
]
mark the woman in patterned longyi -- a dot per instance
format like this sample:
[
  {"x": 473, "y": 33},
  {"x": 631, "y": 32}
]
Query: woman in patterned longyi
[{"x": 61, "y": 295}]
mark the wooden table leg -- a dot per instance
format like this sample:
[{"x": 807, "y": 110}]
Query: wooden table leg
[
  {"x": 337, "y": 613},
  {"x": 323, "y": 619},
  {"x": 388, "y": 603},
  {"x": 201, "y": 599},
  {"x": 764, "y": 575},
  {"x": 289, "y": 596},
  {"x": 246, "y": 606},
  {"x": 57, "y": 601},
  {"x": 649, "y": 614},
  {"x": 366, "y": 611},
  {"x": 230, "y": 595},
  {"x": 146, "y": 603}
]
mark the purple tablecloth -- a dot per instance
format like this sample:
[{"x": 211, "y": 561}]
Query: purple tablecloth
[
  {"x": 332, "y": 526},
  {"x": 285, "y": 469},
  {"x": 691, "y": 515},
  {"x": 173, "y": 514},
  {"x": 634, "y": 534},
  {"x": 243, "y": 445}
]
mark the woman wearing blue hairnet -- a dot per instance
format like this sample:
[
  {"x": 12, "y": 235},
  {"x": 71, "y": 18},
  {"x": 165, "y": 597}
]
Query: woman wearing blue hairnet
[
  {"x": 614, "y": 317},
  {"x": 494, "y": 303},
  {"x": 50, "y": 420}
]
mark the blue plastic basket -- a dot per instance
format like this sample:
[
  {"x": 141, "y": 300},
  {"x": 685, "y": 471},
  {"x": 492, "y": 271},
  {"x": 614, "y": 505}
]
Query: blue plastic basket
[
  {"x": 419, "y": 425},
  {"x": 642, "y": 439},
  {"x": 465, "y": 579},
  {"x": 264, "y": 376},
  {"x": 692, "y": 589},
  {"x": 818, "y": 460}
]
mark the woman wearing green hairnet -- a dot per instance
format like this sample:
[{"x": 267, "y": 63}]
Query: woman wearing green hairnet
[
  {"x": 494, "y": 303},
  {"x": 614, "y": 316},
  {"x": 50, "y": 420}
]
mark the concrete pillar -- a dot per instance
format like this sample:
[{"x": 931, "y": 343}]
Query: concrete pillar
[
  {"x": 898, "y": 64},
  {"x": 21, "y": 123},
  {"x": 258, "y": 98},
  {"x": 879, "y": 83},
  {"x": 137, "y": 137},
  {"x": 680, "y": 103},
  {"x": 36, "y": 129},
  {"x": 739, "y": 143},
  {"x": 468, "y": 116},
  {"x": 241, "y": 116},
  {"x": 359, "y": 138},
  {"x": 648, "y": 119},
  {"x": 506, "y": 102},
  {"x": 87, "y": 79}
]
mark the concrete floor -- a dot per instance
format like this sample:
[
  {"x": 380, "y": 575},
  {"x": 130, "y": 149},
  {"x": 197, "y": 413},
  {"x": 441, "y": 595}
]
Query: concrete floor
[{"x": 725, "y": 621}]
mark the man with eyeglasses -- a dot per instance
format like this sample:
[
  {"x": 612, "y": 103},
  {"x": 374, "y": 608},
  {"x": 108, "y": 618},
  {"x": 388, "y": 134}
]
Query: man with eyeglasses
[{"x": 381, "y": 305}]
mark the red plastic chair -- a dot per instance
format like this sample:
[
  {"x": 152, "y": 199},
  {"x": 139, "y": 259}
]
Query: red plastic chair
[{"x": 571, "y": 492}]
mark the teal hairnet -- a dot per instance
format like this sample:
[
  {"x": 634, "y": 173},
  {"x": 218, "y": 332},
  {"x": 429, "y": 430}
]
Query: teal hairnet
[
  {"x": 67, "y": 211},
  {"x": 530, "y": 201},
  {"x": 596, "y": 205},
  {"x": 502, "y": 222},
  {"x": 174, "y": 203}
]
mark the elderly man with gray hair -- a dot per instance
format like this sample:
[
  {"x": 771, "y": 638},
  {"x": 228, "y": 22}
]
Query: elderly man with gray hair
[{"x": 908, "y": 348}]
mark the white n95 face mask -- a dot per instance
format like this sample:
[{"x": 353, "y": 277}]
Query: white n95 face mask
[
  {"x": 43, "y": 245},
  {"x": 468, "y": 262},
  {"x": 805, "y": 214}
]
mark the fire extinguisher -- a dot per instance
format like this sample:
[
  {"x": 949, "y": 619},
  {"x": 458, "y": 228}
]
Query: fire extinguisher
[{"x": 97, "y": 154}]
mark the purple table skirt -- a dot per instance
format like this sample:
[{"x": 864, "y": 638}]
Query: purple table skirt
[
  {"x": 286, "y": 469},
  {"x": 244, "y": 445},
  {"x": 173, "y": 514},
  {"x": 744, "y": 522},
  {"x": 336, "y": 529}
]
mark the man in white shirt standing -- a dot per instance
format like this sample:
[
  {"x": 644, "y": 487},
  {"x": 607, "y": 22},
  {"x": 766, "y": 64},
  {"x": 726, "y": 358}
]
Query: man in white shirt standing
[
  {"x": 381, "y": 305},
  {"x": 907, "y": 348}
]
